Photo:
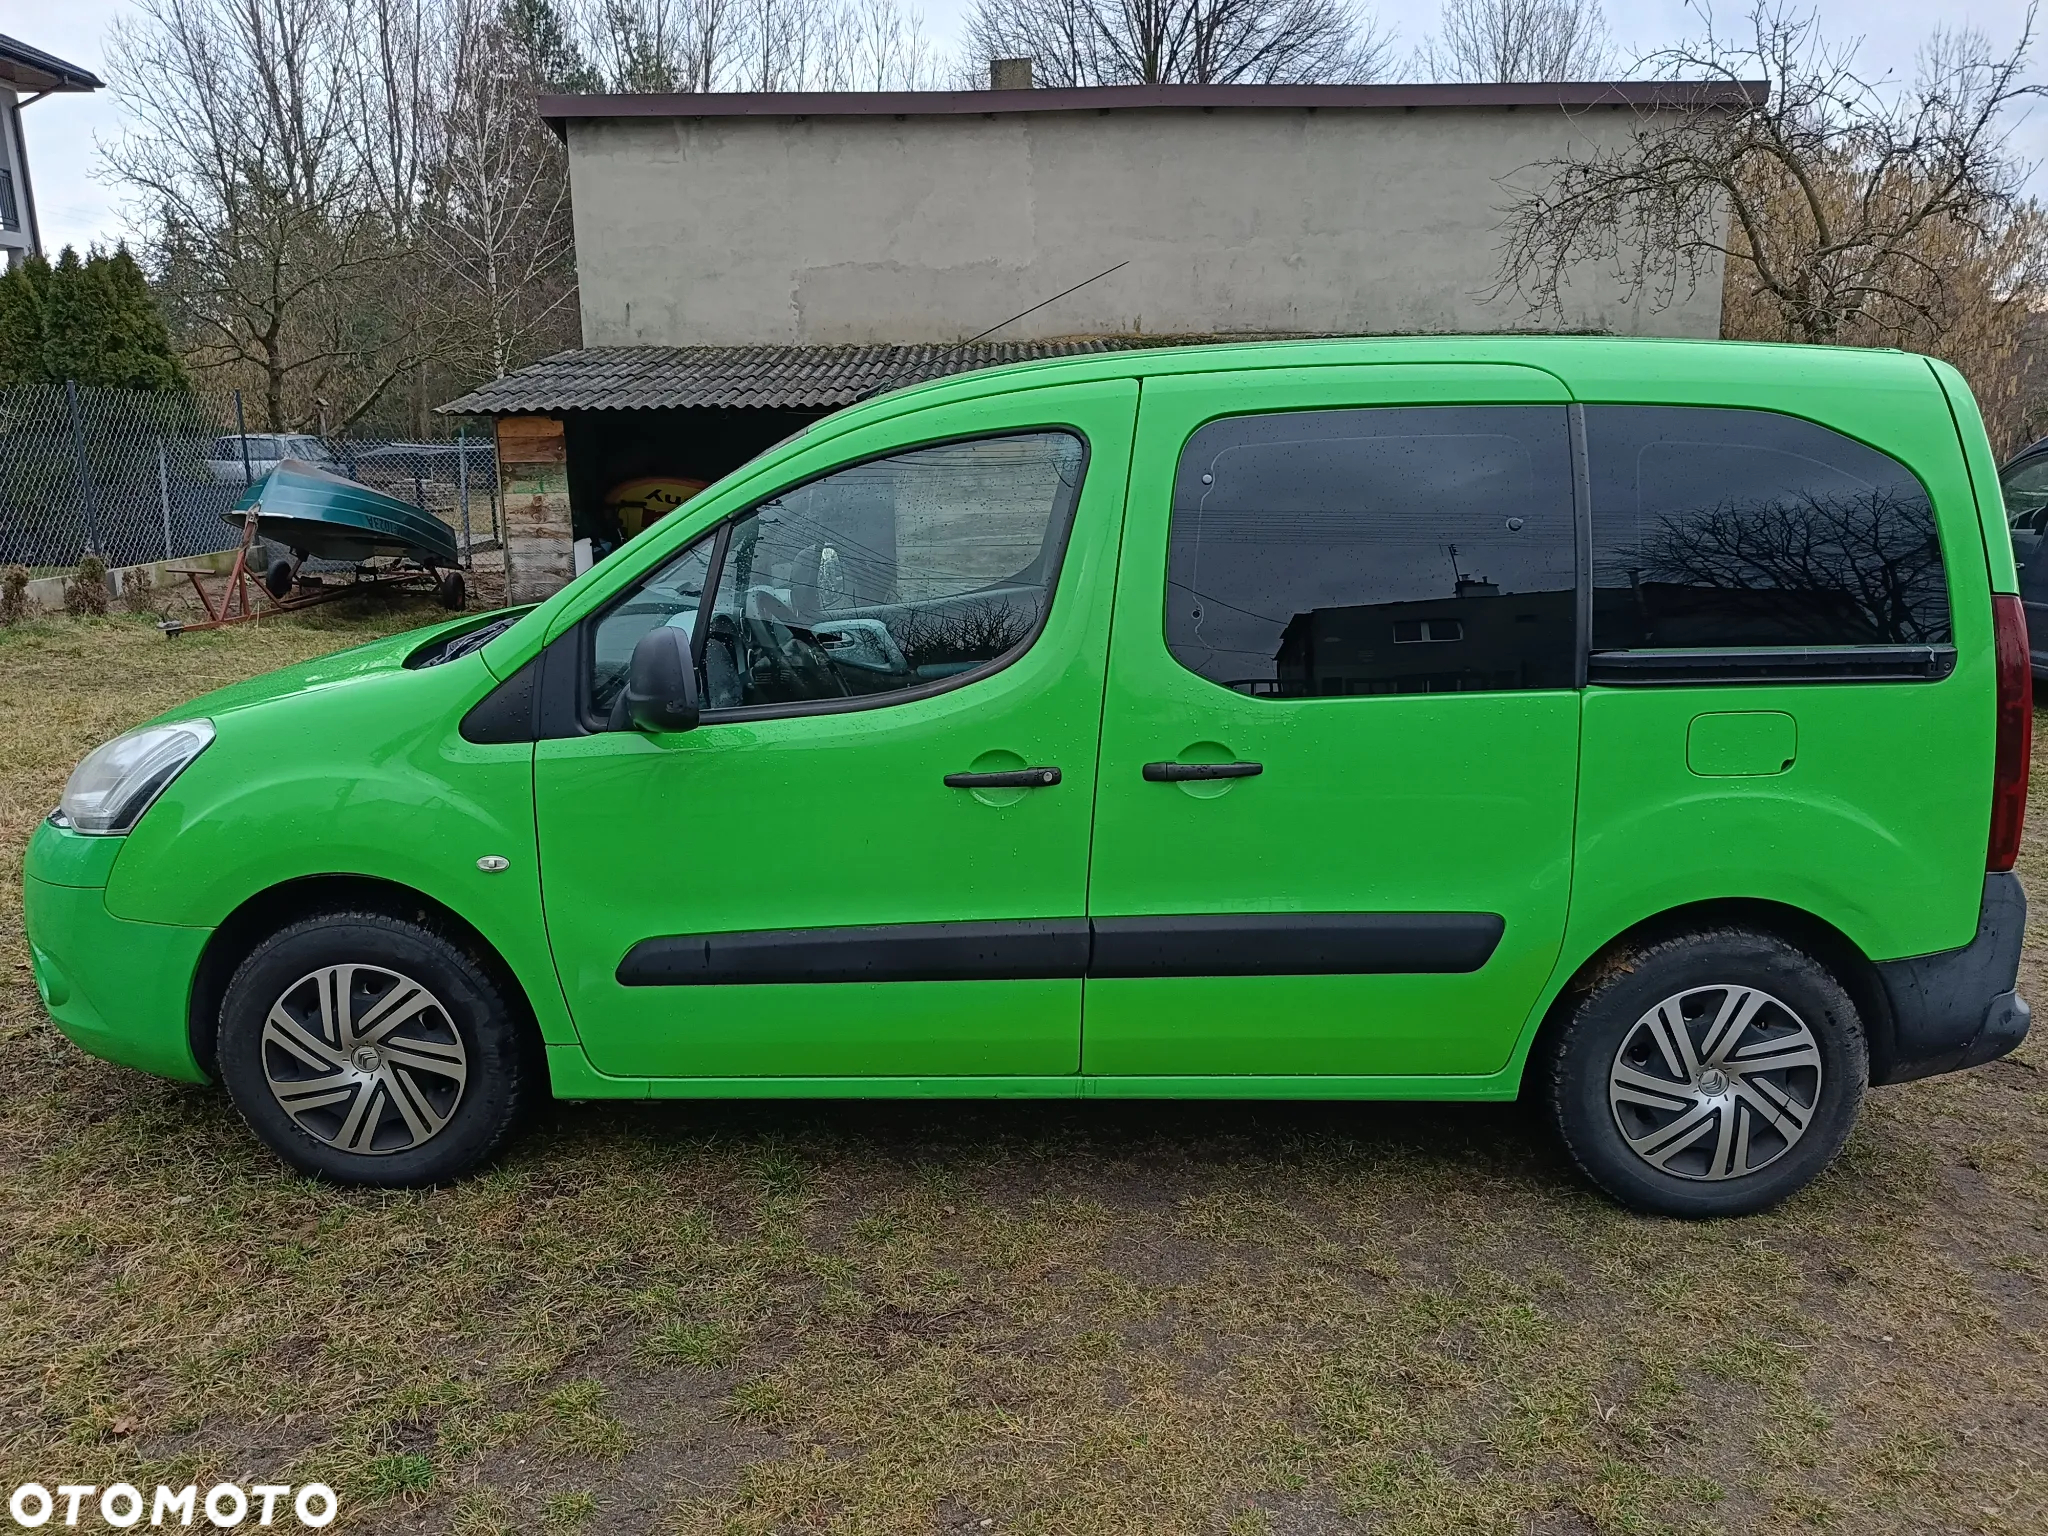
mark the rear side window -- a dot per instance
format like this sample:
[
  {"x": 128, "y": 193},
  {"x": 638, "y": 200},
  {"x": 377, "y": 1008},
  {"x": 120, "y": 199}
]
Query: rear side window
[
  {"x": 1734, "y": 528},
  {"x": 1416, "y": 549}
]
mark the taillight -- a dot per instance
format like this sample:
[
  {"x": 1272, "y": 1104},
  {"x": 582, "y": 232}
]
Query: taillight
[{"x": 2015, "y": 747}]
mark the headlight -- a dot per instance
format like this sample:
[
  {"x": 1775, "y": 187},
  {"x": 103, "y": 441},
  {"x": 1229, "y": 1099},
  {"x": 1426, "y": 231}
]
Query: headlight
[{"x": 110, "y": 790}]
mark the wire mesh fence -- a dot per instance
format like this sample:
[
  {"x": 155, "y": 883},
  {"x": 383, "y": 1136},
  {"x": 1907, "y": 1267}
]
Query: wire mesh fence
[{"x": 135, "y": 476}]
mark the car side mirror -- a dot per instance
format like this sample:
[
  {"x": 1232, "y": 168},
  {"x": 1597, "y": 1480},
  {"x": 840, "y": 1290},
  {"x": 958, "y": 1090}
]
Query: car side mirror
[{"x": 661, "y": 683}]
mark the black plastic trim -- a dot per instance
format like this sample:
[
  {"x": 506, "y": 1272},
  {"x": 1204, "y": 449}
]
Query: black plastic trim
[
  {"x": 506, "y": 714},
  {"x": 564, "y": 686},
  {"x": 1959, "y": 1008},
  {"x": 1296, "y": 944},
  {"x": 1184, "y": 773},
  {"x": 1014, "y": 778},
  {"x": 1259, "y": 944},
  {"x": 1582, "y": 542},
  {"x": 985, "y": 951},
  {"x": 714, "y": 573},
  {"x": 1786, "y": 664}
]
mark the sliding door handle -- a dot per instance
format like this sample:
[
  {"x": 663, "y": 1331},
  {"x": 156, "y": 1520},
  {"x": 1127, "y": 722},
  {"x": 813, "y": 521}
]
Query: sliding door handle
[
  {"x": 1181, "y": 773},
  {"x": 1015, "y": 778}
]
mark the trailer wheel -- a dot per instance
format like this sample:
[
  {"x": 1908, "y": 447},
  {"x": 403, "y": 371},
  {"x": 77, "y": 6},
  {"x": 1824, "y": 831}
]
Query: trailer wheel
[
  {"x": 450, "y": 590},
  {"x": 277, "y": 581}
]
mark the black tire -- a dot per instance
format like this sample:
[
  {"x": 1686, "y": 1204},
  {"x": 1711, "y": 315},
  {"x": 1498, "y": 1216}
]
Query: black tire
[
  {"x": 1593, "y": 1087},
  {"x": 465, "y": 1023},
  {"x": 278, "y": 579},
  {"x": 451, "y": 590}
]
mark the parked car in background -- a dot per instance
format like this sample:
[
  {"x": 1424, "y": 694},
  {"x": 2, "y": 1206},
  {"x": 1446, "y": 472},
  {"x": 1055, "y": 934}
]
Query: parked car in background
[
  {"x": 266, "y": 450},
  {"x": 427, "y": 474},
  {"x": 405, "y": 458},
  {"x": 1638, "y": 726},
  {"x": 2024, "y": 483}
]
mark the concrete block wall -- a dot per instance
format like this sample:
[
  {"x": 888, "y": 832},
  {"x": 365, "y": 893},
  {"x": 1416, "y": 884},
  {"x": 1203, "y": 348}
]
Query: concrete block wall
[{"x": 828, "y": 230}]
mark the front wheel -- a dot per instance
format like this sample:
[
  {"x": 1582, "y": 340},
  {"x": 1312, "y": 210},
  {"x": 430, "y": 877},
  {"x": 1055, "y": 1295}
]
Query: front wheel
[
  {"x": 370, "y": 1050},
  {"x": 1712, "y": 1074}
]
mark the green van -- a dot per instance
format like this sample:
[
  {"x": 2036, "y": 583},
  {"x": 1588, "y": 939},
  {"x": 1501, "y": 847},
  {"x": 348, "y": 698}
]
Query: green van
[{"x": 1639, "y": 725}]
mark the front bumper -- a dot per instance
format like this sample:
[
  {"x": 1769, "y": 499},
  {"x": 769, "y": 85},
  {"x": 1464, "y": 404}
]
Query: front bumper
[
  {"x": 1962, "y": 1007},
  {"x": 119, "y": 990}
]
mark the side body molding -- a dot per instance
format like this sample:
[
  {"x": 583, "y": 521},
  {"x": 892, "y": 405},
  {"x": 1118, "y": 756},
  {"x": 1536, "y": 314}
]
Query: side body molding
[{"x": 1262, "y": 944}]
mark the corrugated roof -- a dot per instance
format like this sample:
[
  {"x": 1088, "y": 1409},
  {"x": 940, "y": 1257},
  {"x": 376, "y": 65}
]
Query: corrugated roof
[
  {"x": 1567, "y": 95},
  {"x": 783, "y": 378}
]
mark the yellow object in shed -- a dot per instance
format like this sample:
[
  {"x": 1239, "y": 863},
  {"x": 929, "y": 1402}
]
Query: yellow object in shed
[{"x": 645, "y": 501}]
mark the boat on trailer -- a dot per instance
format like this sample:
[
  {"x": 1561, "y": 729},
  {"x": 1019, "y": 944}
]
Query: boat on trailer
[{"x": 318, "y": 514}]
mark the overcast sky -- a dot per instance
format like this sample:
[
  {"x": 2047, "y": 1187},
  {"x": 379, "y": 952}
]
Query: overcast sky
[{"x": 77, "y": 207}]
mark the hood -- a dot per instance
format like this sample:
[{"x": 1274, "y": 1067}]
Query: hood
[{"x": 332, "y": 670}]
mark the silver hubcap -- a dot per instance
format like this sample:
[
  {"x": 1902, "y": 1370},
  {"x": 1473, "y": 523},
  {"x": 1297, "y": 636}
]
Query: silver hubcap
[
  {"x": 364, "y": 1059},
  {"x": 1715, "y": 1082}
]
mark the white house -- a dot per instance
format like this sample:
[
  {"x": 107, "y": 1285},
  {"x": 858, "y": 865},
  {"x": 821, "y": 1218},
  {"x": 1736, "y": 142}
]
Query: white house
[{"x": 27, "y": 75}]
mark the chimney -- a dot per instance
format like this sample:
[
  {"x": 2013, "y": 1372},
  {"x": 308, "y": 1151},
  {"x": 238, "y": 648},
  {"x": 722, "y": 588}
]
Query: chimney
[{"x": 1009, "y": 74}]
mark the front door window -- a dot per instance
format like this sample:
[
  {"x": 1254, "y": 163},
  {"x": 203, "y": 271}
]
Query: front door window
[{"x": 895, "y": 576}]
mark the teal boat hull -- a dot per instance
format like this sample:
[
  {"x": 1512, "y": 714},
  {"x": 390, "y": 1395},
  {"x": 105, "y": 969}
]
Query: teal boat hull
[{"x": 322, "y": 514}]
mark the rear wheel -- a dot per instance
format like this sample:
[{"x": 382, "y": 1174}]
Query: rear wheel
[
  {"x": 1713, "y": 1074},
  {"x": 370, "y": 1050}
]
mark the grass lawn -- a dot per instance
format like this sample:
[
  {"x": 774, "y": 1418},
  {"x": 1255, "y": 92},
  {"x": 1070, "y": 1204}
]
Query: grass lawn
[{"x": 1096, "y": 1318}]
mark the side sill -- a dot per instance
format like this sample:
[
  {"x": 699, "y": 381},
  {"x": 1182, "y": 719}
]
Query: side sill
[{"x": 572, "y": 1077}]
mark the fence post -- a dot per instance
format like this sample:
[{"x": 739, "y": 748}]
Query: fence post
[
  {"x": 242, "y": 437},
  {"x": 462, "y": 490},
  {"x": 87, "y": 510},
  {"x": 163, "y": 496}
]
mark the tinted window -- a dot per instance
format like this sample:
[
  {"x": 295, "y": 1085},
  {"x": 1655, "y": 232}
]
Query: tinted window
[
  {"x": 1422, "y": 549},
  {"x": 885, "y": 576},
  {"x": 1746, "y": 528}
]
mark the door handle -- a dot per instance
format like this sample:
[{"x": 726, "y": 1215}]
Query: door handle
[
  {"x": 1180, "y": 773},
  {"x": 1015, "y": 778}
]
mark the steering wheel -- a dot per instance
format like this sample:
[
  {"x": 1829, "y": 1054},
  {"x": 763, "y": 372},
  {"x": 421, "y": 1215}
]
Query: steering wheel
[{"x": 789, "y": 654}]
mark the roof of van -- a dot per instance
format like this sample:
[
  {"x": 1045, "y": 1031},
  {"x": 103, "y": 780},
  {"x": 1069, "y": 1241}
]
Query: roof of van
[{"x": 1610, "y": 367}]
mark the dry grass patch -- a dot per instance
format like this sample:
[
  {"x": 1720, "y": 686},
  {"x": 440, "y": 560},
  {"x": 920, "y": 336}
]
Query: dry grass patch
[{"x": 1050, "y": 1318}]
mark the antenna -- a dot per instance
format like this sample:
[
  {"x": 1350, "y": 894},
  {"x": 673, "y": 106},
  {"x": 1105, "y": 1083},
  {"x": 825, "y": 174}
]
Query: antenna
[
  {"x": 1034, "y": 309},
  {"x": 970, "y": 341}
]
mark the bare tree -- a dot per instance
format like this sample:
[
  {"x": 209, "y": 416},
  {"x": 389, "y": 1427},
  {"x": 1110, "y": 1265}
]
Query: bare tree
[
  {"x": 1830, "y": 201},
  {"x": 389, "y": 64},
  {"x": 884, "y": 47},
  {"x": 645, "y": 45},
  {"x": 496, "y": 240},
  {"x": 241, "y": 162},
  {"x": 1152, "y": 42},
  {"x": 1504, "y": 40},
  {"x": 758, "y": 45}
]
